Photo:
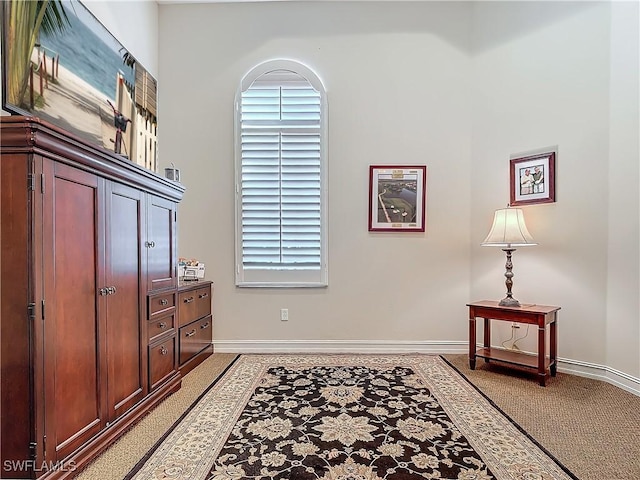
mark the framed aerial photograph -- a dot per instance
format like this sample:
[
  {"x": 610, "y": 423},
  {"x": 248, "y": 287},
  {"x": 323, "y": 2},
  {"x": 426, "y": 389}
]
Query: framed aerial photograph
[
  {"x": 62, "y": 65},
  {"x": 532, "y": 179},
  {"x": 397, "y": 198}
]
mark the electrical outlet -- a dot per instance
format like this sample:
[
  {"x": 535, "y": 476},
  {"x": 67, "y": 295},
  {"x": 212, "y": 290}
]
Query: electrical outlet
[{"x": 284, "y": 314}]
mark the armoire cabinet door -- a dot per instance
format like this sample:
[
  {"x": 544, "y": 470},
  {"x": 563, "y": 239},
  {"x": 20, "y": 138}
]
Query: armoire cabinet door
[
  {"x": 126, "y": 383},
  {"x": 73, "y": 232},
  {"x": 17, "y": 337},
  {"x": 160, "y": 243}
]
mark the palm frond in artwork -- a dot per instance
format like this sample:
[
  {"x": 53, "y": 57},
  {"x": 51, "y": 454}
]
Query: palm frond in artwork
[{"x": 25, "y": 21}]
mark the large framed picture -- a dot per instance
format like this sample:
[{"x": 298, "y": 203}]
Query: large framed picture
[
  {"x": 532, "y": 179},
  {"x": 62, "y": 65},
  {"x": 397, "y": 196}
]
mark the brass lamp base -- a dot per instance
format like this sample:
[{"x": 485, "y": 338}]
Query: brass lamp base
[{"x": 509, "y": 302}]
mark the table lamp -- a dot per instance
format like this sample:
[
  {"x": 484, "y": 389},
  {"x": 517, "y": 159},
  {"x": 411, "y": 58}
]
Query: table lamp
[{"x": 509, "y": 231}]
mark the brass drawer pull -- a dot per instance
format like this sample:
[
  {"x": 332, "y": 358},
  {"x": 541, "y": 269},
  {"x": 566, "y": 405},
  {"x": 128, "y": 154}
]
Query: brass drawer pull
[
  {"x": 163, "y": 350},
  {"x": 205, "y": 325},
  {"x": 203, "y": 295},
  {"x": 162, "y": 325},
  {"x": 164, "y": 301},
  {"x": 191, "y": 333},
  {"x": 188, "y": 300}
]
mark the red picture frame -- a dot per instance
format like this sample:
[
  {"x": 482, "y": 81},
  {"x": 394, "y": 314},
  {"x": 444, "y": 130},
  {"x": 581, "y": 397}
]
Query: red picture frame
[
  {"x": 397, "y": 198},
  {"x": 533, "y": 179}
]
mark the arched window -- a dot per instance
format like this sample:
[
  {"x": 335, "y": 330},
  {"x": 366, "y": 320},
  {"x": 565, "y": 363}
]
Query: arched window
[{"x": 281, "y": 169}]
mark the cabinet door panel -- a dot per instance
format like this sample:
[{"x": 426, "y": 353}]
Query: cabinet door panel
[
  {"x": 161, "y": 261},
  {"x": 73, "y": 229},
  {"x": 125, "y": 379},
  {"x": 15, "y": 338}
]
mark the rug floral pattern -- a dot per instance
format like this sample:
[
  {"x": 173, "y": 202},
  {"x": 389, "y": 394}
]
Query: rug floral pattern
[
  {"x": 346, "y": 417},
  {"x": 345, "y": 423}
]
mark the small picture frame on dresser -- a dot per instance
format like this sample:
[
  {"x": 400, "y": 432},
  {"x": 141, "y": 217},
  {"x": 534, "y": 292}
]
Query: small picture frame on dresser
[{"x": 190, "y": 274}]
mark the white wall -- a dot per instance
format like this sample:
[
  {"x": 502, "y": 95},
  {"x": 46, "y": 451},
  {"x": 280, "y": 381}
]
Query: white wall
[
  {"x": 623, "y": 325},
  {"x": 465, "y": 85},
  {"x": 397, "y": 77},
  {"x": 563, "y": 74},
  {"x": 134, "y": 24}
]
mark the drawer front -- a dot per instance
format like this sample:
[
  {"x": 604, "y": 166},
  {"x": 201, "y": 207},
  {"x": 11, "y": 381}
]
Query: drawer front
[
  {"x": 158, "y": 327},
  {"x": 203, "y": 301},
  {"x": 161, "y": 361},
  {"x": 187, "y": 307},
  {"x": 161, "y": 304},
  {"x": 194, "y": 337},
  {"x": 194, "y": 304}
]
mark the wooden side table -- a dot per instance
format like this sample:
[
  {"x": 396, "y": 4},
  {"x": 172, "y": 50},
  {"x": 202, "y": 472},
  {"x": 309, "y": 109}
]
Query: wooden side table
[{"x": 540, "y": 315}]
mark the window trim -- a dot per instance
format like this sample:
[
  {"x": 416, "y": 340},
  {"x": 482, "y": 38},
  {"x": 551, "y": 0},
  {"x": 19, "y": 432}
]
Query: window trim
[{"x": 281, "y": 278}]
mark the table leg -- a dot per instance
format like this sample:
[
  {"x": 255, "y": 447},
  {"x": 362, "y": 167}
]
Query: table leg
[
  {"x": 472, "y": 341},
  {"x": 553, "y": 347},
  {"x": 487, "y": 336},
  {"x": 542, "y": 353}
]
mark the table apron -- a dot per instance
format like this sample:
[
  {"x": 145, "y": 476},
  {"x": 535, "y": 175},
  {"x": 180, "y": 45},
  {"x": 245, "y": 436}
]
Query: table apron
[{"x": 539, "y": 319}]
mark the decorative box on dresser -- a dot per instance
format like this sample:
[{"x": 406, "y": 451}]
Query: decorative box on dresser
[
  {"x": 88, "y": 337},
  {"x": 195, "y": 323}
]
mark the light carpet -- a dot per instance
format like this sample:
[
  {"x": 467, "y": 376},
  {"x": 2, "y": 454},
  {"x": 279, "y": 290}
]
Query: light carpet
[{"x": 346, "y": 417}]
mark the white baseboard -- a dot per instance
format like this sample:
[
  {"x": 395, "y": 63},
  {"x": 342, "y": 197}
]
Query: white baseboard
[
  {"x": 338, "y": 346},
  {"x": 565, "y": 365},
  {"x": 600, "y": 372}
]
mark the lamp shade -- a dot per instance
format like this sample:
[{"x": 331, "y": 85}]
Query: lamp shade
[{"x": 508, "y": 230}]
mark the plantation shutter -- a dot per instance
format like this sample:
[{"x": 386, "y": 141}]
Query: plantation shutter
[{"x": 280, "y": 188}]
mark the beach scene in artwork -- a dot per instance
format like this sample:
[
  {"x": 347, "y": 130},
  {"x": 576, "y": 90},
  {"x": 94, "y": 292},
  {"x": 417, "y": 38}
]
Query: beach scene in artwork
[
  {"x": 76, "y": 106},
  {"x": 79, "y": 78}
]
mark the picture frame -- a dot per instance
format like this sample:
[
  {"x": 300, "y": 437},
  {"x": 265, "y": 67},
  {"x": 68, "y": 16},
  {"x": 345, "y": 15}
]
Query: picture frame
[
  {"x": 397, "y": 198},
  {"x": 67, "y": 69},
  {"x": 532, "y": 179}
]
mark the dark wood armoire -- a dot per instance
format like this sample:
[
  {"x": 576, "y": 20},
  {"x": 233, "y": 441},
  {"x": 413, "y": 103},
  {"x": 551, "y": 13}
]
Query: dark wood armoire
[{"x": 88, "y": 239}]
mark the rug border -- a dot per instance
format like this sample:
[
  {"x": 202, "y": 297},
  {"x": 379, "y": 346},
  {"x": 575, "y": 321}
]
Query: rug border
[
  {"x": 175, "y": 424},
  {"x": 515, "y": 424}
]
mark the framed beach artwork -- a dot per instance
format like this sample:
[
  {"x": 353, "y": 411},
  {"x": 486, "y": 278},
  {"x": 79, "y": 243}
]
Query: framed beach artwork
[
  {"x": 532, "y": 179},
  {"x": 397, "y": 198},
  {"x": 62, "y": 65}
]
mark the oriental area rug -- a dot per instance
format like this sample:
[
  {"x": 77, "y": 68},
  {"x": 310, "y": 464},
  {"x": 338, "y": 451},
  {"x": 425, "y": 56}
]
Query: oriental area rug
[{"x": 345, "y": 417}]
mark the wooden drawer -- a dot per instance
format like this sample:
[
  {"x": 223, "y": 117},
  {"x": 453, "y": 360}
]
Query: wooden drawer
[
  {"x": 161, "y": 361},
  {"x": 194, "y": 337},
  {"x": 161, "y": 304},
  {"x": 194, "y": 304},
  {"x": 160, "y": 326}
]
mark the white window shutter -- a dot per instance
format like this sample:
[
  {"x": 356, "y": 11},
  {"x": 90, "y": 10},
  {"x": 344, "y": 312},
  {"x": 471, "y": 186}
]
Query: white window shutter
[{"x": 280, "y": 165}]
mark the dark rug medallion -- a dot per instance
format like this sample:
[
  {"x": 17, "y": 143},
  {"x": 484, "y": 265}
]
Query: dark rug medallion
[{"x": 346, "y": 417}]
